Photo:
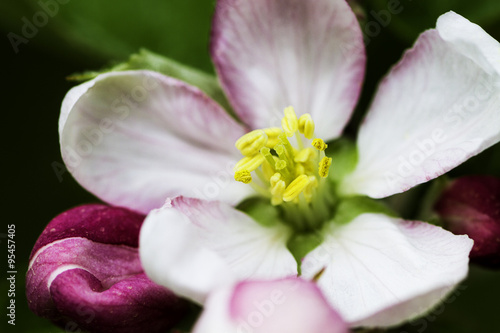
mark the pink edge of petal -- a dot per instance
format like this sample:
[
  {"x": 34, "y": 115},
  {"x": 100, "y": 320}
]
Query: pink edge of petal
[
  {"x": 354, "y": 46},
  {"x": 288, "y": 305},
  {"x": 164, "y": 123}
]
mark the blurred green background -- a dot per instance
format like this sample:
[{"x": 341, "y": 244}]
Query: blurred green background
[{"x": 92, "y": 34}]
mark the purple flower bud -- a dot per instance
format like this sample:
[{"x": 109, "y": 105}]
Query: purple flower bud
[
  {"x": 471, "y": 205},
  {"x": 85, "y": 273}
]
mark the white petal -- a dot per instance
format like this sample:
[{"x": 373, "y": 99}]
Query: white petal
[
  {"x": 135, "y": 138},
  {"x": 382, "y": 271},
  {"x": 193, "y": 246},
  {"x": 290, "y": 305},
  {"x": 438, "y": 107},
  {"x": 272, "y": 54}
]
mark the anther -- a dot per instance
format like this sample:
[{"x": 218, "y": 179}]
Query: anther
[
  {"x": 272, "y": 136},
  {"x": 290, "y": 123},
  {"x": 250, "y": 143},
  {"x": 306, "y": 125},
  {"x": 319, "y": 144},
  {"x": 295, "y": 188},
  {"x": 324, "y": 166},
  {"x": 243, "y": 176},
  {"x": 249, "y": 163},
  {"x": 304, "y": 155}
]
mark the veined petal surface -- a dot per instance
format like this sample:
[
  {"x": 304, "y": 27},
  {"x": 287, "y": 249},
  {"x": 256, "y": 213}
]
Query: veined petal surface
[
  {"x": 193, "y": 246},
  {"x": 382, "y": 271},
  {"x": 272, "y": 54},
  {"x": 438, "y": 107},
  {"x": 135, "y": 138}
]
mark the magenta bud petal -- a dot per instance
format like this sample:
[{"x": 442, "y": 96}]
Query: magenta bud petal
[
  {"x": 85, "y": 274},
  {"x": 471, "y": 206}
]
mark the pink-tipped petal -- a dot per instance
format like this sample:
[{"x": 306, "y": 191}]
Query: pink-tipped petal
[
  {"x": 193, "y": 246},
  {"x": 382, "y": 271},
  {"x": 135, "y": 138},
  {"x": 272, "y": 54},
  {"x": 289, "y": 305},
  {"x": 435, "y": 109}
]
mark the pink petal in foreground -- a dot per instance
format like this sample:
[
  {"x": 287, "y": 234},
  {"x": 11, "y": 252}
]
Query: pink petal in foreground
[
  {"x": 272, "y": 54},
  {"x": 289, "y": 305},
  {"x": 85, "y": 274}
]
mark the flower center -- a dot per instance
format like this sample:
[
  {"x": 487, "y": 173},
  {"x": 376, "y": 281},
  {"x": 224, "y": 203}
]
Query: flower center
[{"x": 292, "y": 176}]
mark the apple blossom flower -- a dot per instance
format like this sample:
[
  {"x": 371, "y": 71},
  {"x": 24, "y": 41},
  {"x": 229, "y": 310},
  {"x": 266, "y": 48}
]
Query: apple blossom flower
[
  {"x": 289, "y": 305},
  {"x": 134, "y": 138},
  {"x": 470, "y": 206},
  {"x": 85, "y": 274}
]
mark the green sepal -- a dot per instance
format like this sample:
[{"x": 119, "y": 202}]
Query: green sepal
[
  {"x": 301, "y": 244},
  {"x": 426, "y": 211},
  {"x": 344, "y": 154},
  {"x": 350, "y": 208},
  {"x": 147, "y": 60},
  {"x": 261, "y": 211}
]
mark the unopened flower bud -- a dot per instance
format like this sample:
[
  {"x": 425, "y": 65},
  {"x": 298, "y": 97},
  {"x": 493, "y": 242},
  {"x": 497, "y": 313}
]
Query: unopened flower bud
[
  {"x": 85, "y": 272},
  {"x": 471, "y": 206}
]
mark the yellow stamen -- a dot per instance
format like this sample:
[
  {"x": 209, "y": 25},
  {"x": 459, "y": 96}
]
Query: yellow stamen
[
  {"x": 289, "y": 149},
  {"x": 243, "y": 176},
  {"x": 324, "y": 166},
  {"x": 290, "y": 123},
  {"x": 284, "y": 170},
  {"x": 250, "y": 143},
  {"x": 280, "y": 165},
  {"x": 278, "y": 189},
  {"x": 319, "y": 144},
  {"x": 267, "y": 169},
  {"x": 272, "y": 136},
  {"x": 306, "y": 125},
  {"x": 304, "y": 155},
  {"x": 266, "y": 152},
  {"x": 295, "y": 188},
  {"x": 249, "y": 163},
  {"x": 309, "y": 190},
  {"x": 299, "y": 170}
]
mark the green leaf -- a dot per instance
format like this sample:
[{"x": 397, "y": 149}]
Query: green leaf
[
  {"x": 148, "y": 60},
  {"x": 100, "y": 31}
]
